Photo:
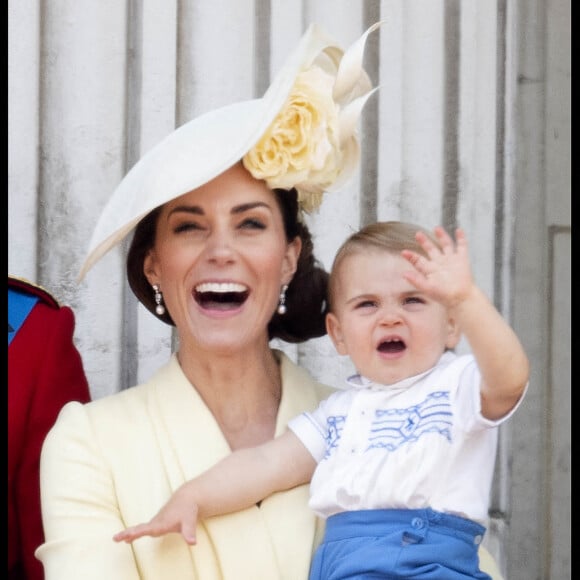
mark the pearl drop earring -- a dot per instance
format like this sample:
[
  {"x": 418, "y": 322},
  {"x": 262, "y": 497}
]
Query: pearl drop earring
[
  {"x": 159, "y": 309},
  {"x": 282, "y": 305}
]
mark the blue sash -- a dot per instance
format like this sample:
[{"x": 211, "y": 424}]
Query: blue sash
[{"x": 19, "y": 307}]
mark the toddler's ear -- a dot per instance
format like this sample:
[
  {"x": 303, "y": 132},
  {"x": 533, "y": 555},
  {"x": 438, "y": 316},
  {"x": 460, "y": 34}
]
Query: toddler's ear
[
  {"x": 334, "y": 330},
  {"x": 453, "y": 334}
]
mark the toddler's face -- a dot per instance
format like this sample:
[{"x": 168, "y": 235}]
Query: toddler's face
[{"x": 389, "y": 329}]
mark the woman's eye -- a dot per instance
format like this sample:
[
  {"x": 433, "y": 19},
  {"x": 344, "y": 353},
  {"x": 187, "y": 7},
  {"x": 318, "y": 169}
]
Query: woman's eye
[
  {"x": 252, "y": 224},
  {"x": 366, "y": 304},
  {"x": 186, "y": 227}
]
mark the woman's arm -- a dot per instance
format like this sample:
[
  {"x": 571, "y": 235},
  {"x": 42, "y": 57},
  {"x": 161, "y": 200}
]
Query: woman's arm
[
  {"x": 79, "y": 505},
  {"x": 240, "y": 480}
]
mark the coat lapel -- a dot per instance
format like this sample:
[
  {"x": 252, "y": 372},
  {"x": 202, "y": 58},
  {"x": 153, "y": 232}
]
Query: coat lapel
[{"x": 191, "y": 442}]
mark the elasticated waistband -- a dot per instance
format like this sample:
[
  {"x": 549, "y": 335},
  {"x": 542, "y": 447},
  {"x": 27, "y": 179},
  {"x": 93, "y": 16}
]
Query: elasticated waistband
[{"x": 381, "y": 522}]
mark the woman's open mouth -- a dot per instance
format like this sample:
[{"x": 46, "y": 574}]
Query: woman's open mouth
[{"x": 220, "y": 295}]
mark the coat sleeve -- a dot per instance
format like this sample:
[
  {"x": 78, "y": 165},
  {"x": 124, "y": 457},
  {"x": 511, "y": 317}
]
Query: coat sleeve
[
  {"x": 45, "y": 372},
  {"x": 79, "y": 505}
]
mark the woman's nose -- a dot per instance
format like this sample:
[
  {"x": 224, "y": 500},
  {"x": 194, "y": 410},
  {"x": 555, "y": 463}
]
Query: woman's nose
[{"x": 219, "y": 247}]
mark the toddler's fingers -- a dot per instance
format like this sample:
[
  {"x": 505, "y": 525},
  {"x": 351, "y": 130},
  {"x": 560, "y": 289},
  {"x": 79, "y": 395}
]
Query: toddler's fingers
[
  {"x": 443, "y": 245},
  {"x": 420, "y": 263},
  {"x": 129, "y": 534},
  {"x": 152, "y": 529},
  {"x": 425, "y": 242},
  {"x": 460, "y": 238},
  {"x": 444, "y": 239},
  {"x": 188, "y": 532},
  {"x": 412, "y": 257}
]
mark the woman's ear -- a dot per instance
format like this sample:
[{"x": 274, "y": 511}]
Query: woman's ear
[
  {"x": 334, "y": 330},
  {"x": 291, "y": 260},
  {"x": 150, "y": 267}
]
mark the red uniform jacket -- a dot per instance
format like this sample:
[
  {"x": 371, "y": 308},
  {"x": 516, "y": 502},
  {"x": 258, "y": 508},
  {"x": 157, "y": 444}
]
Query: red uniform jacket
[{"x": 45, "y": 371}]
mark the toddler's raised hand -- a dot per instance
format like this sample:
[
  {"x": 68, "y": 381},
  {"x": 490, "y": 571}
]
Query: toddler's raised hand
[{"x": 446, "y": 274}]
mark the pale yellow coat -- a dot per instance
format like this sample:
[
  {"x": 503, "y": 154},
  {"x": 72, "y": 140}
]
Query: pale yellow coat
[{"x": 114, "y": 462}]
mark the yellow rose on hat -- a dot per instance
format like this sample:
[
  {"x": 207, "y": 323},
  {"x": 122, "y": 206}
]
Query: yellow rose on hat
[
  {"x": 312, "y": 143},
  {"x": 301, "y": 147}
]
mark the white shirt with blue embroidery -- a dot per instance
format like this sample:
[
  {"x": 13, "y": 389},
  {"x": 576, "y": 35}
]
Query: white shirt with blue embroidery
[{"x": 421, "y": 442}]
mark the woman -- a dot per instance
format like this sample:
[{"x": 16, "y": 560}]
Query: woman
[{"x": 220, "y": 251}]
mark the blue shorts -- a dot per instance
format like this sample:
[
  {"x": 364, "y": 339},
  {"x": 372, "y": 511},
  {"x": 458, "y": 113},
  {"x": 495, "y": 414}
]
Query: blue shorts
[{"x": 394, "y": 544}]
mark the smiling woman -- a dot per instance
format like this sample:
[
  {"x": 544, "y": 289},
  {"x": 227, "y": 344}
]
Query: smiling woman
[
  {"x": 220, "y": 250},
  {"x": 304, "y": 299},
  {"x": 225, "y": 236}
]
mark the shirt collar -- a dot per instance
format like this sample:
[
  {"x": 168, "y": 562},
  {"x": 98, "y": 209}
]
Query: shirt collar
[{"x": 357, "y": 381}]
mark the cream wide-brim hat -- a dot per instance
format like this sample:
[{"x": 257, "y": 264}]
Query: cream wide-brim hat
[{"x": 205, "y": 147}]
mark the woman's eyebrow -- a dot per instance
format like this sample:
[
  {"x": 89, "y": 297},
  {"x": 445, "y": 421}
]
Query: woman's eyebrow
[
  {"x": 197, "y": 210},
  {"x": 248, "y": 206}
]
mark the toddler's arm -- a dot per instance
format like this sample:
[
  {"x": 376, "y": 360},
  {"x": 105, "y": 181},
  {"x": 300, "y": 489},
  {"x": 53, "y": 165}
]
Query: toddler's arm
[
  {"x": 238, "y": 481},
  {"x": 446, "y": 277}
]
